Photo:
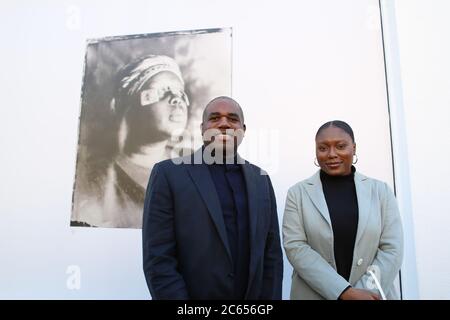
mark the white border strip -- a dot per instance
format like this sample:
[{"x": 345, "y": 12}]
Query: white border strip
[{"x": 409, "y": 281}]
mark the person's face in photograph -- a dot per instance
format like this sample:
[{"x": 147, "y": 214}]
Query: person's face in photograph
[
  {"x": 163, "y": 106},
  {"x": 334, "y": 151},
  {"x": 223, "y": 118}
]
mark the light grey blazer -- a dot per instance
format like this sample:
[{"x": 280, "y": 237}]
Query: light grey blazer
[{"x": 308, "y": 240}]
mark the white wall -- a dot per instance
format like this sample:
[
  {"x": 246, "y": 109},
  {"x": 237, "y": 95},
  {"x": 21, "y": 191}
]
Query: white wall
[
  {"x": 424, "y": 51},
  {"x": 296, "y": 64}
]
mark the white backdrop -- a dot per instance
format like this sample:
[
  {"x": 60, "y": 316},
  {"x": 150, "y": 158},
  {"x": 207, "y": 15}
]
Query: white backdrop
[
  {"x": 296, "y": 65},
  {"x": 424, "y": 49}
]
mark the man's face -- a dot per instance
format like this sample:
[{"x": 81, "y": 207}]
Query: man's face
[
  {"x": 334, "y": 151},
  {"x": 223, "y": 125}
]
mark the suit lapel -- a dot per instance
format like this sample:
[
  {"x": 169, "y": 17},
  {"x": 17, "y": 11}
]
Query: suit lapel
[
  {"x": 253, "y": 193},
  {"x": 363, "y": 196},
  {"x": 315, "y": 192},
  {"x": 205, "y": 185},
  {"x": 252, "y": 198}
]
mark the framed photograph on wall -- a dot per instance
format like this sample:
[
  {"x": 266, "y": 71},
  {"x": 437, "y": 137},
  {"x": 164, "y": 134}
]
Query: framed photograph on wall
[{"x": 141, "y": 102}]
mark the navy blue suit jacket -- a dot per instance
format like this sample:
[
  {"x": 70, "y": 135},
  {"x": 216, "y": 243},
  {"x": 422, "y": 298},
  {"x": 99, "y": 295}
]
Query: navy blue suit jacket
[{"x": 185, "y": 247}]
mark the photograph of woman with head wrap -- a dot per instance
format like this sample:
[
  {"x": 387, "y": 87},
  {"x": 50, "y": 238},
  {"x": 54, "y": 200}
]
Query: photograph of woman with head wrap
[
  {"x": 151, "y": 109},
  {"x": 137, "y": 112}
]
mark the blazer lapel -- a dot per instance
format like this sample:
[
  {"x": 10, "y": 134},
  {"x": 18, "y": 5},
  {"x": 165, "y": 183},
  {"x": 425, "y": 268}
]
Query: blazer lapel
[
  {"x": 252, "y": 200},
  {"x": 363, "y": 196},
  {"x": 253, "y": 193},
  {"x": 315, "y": 192},
  {"x": 205, "y": 185}
]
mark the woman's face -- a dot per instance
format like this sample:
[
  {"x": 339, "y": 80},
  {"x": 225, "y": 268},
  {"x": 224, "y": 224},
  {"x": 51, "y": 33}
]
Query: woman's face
[
  {"x": 334, "y": 151},
  {"x": 163, "y": 106}
]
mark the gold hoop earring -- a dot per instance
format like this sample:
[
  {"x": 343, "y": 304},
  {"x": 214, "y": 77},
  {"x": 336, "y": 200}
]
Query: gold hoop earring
[
  {"x": 355, "y": 161},
  {"x": 315, "y": 163}
]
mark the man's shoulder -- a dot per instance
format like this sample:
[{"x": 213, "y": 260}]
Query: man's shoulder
[
  {"x": 174, "y": 165},
  {"x": 171, "y": 164},
  {"x": 253, "y": 166},
  {"x": 258, "y": 171}
]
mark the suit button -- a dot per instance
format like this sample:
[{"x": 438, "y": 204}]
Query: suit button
[
  {"x": 231, "y": 275},
  {"x": 360, "y": 261}
]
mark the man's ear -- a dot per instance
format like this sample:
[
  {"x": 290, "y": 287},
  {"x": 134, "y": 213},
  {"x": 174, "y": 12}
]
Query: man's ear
[{"x": 245, "y": 127}]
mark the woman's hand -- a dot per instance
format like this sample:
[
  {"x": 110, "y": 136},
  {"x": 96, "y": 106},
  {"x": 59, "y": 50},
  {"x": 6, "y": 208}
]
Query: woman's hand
[{"x": 358, "y": 294}]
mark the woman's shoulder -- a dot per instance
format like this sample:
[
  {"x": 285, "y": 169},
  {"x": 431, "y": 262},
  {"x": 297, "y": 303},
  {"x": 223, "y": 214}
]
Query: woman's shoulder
[
  {"x": 379, "y": 185},
  {"x": 310, "y": 181},
  {"x": 363, "y": 177}
]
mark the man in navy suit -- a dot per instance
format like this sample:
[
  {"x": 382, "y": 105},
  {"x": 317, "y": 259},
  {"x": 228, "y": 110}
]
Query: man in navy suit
[{"x": 210, "y": 227}]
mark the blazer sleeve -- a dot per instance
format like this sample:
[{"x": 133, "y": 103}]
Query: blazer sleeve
[
  {"x": 273, "y": 256},
  {"x": 388, "y": 259},
  {"x": 158, "y": 240},
  {"x": 307, "y": 262}
]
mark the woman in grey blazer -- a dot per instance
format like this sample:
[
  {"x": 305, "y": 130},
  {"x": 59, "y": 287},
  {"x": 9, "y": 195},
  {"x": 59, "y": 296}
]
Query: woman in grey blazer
[{"x": 341, "y": 230}]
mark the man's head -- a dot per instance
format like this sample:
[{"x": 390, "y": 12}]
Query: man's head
[{"x": 223, "y": 123}]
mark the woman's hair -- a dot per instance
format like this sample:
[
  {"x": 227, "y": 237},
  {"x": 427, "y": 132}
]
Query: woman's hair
[
  {"x": 338, "y": 124},
  {"x": 131, "y": 79}
]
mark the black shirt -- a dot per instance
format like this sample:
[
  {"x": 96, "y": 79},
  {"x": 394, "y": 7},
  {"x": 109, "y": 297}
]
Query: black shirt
[
  {"x": 342, "y": 202},
  {"x": 230, "y": 186}
]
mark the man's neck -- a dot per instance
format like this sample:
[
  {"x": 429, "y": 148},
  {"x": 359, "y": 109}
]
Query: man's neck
[{"x": 224, "y": 157}]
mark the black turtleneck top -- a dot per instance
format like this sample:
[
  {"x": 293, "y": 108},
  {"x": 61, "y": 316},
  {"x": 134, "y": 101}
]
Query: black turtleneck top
[{"x": 340, "y": 195}]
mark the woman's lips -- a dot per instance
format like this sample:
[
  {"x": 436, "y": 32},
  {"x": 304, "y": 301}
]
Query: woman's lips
[{"x": 333, "y": 165}]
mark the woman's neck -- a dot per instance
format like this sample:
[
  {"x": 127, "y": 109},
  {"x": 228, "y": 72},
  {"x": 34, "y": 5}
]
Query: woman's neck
[{"x": 150, "y": 154}]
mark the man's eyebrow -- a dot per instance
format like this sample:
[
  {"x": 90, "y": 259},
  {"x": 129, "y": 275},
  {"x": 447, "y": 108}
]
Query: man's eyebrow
[{"x": 231, "y": 114}]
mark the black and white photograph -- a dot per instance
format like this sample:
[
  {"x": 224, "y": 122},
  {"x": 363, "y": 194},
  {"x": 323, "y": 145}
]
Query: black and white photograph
[{"x": 142, "y": 98}]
